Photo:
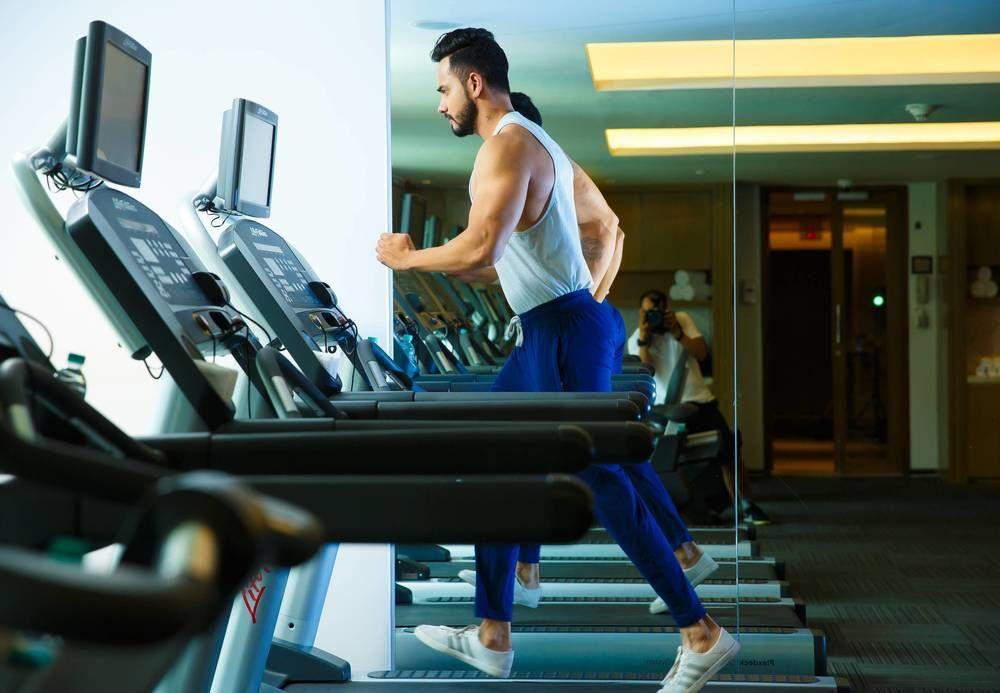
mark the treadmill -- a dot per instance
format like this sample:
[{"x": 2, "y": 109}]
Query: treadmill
[
  {"x": 180, "y": 321},
  {"x": 121, "y": 479},
  {"x": 255, "y": 255},
  {"x": 253, "y": 252},
  {"x": 302, "y": 310},
  {"x": 354, "y": 508},
  {"x": 129, "y": 629},
  {"x": 100, "y": 223}
]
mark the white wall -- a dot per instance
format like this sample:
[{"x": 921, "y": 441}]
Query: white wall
[
  {"x": 927, "y": 356},
  {"x": 322, "y": 67},
  {"x": 319, "y": 65}
]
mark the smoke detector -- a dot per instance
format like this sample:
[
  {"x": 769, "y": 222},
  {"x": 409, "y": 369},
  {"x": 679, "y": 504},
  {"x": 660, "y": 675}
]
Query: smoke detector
[{"x": 920, "y": 111}]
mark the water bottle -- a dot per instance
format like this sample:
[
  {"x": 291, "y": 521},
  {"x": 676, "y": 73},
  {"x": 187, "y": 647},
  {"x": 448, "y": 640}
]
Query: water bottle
[
  {"x": 72, "y": 374},
  {"x": 409, "y": 361}
]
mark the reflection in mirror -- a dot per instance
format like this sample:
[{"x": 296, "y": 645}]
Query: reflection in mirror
[
  {"x": 866, "y": 203},
  {"x": 497, "y": 223}
]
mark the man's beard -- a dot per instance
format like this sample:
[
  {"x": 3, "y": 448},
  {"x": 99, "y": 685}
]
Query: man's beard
[{"x": 464, "y": 124}]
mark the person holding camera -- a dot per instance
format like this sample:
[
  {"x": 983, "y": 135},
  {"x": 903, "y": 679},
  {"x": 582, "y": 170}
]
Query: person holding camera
[{"x": 661, "y": 339}]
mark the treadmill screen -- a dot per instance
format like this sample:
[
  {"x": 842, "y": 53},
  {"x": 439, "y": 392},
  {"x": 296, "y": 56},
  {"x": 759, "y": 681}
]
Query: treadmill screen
[
  {"x": 123, "y": 101},
  {"x": 162, "y": 260},
  {"x": 255, "y": 168},
  {"x": 281, "y": 266}
]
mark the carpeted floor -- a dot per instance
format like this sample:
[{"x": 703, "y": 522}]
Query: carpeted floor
[{"x": 902, "y": 575}]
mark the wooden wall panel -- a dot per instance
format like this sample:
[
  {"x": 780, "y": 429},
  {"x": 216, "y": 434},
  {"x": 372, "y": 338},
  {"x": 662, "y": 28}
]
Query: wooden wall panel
[
  {"x": 677, "y": 230},
  {"x": 982, "y": 447},
  {"x": 982, "y": 209}
]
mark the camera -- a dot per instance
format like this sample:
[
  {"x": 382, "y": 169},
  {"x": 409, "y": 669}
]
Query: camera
[{"x": 656, "y": 319}]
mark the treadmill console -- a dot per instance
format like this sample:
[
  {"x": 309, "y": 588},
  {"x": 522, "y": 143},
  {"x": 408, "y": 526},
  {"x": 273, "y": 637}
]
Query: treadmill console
[
  {"x": 299, "y": 307},
  {"x": 150, "y": 270},
  {"x": 312, "y": 302},
  {"x": 162, "y": 266}
]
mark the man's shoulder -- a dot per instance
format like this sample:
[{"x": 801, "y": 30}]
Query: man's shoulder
[
  {"x": 513, "y": 137},
  {"x": 505, "y": 150}
]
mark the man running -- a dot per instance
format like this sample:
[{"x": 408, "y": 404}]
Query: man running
[
  {"x": 523, "y": 223},
  {"x": 601, "y": 241}
]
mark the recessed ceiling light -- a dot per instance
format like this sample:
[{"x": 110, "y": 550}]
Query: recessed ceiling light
[
  {"x": 756, "y": 139},
  {"x": 425, "y": 181},
  {"x": 432, "y": 25},
  {"x": 814, "y": 62}
]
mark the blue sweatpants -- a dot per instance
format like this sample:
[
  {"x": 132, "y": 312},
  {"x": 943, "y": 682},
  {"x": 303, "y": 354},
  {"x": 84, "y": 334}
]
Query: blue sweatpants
[
  {"x": 643, "y": 476},
  {"x": 569, "y": 345}
]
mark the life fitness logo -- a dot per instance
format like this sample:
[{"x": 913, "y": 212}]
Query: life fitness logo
[
  {"x": 130, "y": 44},
  {"x": 253, "y": 593},
  {"x": 123, "y": 205},
  {"x": 261, "y": 111},
  {"x": 258, "y": 232}
]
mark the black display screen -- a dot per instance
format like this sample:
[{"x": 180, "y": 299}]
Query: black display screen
[
  {"x": 161, "y": 259},
  {"x": 281, "y": 266},
  {"x": 123, "y": 103}
]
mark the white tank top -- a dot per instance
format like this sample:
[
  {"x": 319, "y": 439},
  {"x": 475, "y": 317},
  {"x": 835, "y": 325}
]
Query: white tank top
[{"x": 545, "y": 261}]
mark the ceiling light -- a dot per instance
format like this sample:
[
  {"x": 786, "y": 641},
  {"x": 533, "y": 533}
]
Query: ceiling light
[
  {"x": 751, "y": 139},
  {"x": 811, "y": 62}
]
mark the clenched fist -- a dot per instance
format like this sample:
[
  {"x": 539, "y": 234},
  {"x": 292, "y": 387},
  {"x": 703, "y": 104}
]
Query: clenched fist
[{"x": 394, "y": 250}]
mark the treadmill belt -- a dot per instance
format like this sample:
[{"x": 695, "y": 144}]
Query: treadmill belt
[
  {"x": 755, "y": 570},
  {"x": 594, "y": 614},
  {"x": 702, "y": 535},
  {"x": 476, "y": 682}
]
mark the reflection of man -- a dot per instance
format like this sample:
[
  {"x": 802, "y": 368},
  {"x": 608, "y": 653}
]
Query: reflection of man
[
  {"x": 660, "y": 341},
  {"x": 523, "y": 223}
]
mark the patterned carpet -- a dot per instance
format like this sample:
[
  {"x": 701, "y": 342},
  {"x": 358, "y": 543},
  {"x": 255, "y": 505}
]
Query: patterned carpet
[{"x": 902, "y": 575}]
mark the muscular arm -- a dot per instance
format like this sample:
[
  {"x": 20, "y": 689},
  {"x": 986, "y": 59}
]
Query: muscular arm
[
  {"x": 602, "y": 290},
  {"x": 486, "y": 275},
  {"x": 598, "y": 229},
  {"x": 495, "y": 213},
  {"x": 602, "y": 244}
]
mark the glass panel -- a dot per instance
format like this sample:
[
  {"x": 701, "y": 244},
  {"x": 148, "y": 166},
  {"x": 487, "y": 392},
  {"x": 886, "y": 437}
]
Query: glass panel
[
  {"x": 615, "y": 85},
  {"x": 863, "y": 338},
  {"x": 866, "y": 205}
]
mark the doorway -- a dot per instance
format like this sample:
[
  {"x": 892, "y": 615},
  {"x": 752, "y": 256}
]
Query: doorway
[{"x": 836, "y": 331}]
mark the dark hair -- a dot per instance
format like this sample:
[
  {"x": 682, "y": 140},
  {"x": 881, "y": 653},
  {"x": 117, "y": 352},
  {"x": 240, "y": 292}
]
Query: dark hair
[
  {"x": 656, "y": 296},
  {"x": 474, "y": 50},
  {"x": 523, "y": 105}
]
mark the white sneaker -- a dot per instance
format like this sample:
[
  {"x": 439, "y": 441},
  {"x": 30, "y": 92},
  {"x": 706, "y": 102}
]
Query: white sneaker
[
  {"x": 522, "y": 595},
  {"x": 696, "y": 575},
  {"x": 463, "y": 644},
  {"x": 691, "y": 670}
]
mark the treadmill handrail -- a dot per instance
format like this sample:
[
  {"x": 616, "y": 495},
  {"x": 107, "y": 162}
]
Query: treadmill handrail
[
  {"x": 438, "y": 450},
  {"x": 420, "y": 509},
  {"x": 18, "y": 376},
  {"x": 130, "y": 606}
]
